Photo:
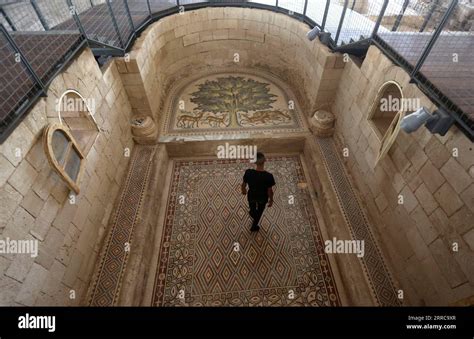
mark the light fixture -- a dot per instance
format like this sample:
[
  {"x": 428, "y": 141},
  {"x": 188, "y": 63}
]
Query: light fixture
[
  {"x": 317, "y": 32},
  {"x": 439, "y": 122},
  {"x": 314, "y": 33}
]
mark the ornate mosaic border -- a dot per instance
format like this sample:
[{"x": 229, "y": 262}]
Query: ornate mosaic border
[
  {"x": 228, "y": 298},
  {"x": 108, "y": 278},
  {"x": 373, "y": 262},
  {"x": 174, "y": 95}
]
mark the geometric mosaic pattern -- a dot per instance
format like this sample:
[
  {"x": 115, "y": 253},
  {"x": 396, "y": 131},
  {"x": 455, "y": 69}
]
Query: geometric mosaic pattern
[
  {"x": 107, "y": 280},
  {"x": 209, "y": 257},
  {"x": 373, "y": 262},
  {"x": 229, "y": 101}
]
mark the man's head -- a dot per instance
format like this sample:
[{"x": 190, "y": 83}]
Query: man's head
[{"x": 260, "y": 159}]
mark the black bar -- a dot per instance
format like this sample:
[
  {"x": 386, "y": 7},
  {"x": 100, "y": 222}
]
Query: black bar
[
  {"x": 434, "y": 37},
  {"x": 258, "y": 322},
  {"x": 400, "y": 16},
  {"x": 129, "y": 15},
  {"x": 305, "y": 7},
  {"x": 39, "y": 14},
  {"x": 149, "y": 7},
  {"x": 75, "y": 16},
  {"x": 429, "y": 15},
  {"x": 7, "y": 18},
  {"x": 114, "y": 22},
  {"x": 325, "y": 16},
  {"x": 341, "y": 21},
  {"x": 379, "y": 19},
  {"x": 23, "y": 59}
]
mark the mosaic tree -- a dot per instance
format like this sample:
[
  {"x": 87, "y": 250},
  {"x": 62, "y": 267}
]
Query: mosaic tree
[{"x": 232, "y": 95}]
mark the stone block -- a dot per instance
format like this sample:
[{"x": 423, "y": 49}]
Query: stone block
[
  {"x": 65, "y": 217},
  {"x": 6, "y": 169},
  {"x": 32, "y": 286},
  {"x": 425, "y": 228},
  {"x": 468, "y": 197},
  {"x": 132, "y": 66},
  {"x": 9, "y": 200},
  {"x": 18, "y": 144},
  {"x": 20, "y": 266},
  {"x": 72, "y": 270},
  {"x": 448, "y": 199},
  {"x": 381, "y": 202},
  {"x": 32, "y": 203},
  {"x": 10, "y": 289},
  {"x": 463, "y": 146},
  {"x": 440, "y": 221},
  {"x": 426, "y": 199},
  {"x": 447, "y": 264},
  {"x": 461, "y": 221},
  {"x": 456, "y": 175},
  {"x": 418, "y": 244},
  {"x": 437, "y": 152},
  {"x": 21, "y": 220},
  {"x": 23, "y": 177},
  {"x": 431, "y": 176},
  {"x": 190, "y": 39},
  {"x": 409, "y": 199},
  {"x": 469, "y": 239}
]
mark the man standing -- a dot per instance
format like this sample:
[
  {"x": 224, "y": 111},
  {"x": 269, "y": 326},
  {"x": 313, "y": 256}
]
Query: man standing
[{"x": 260, "y": 190}]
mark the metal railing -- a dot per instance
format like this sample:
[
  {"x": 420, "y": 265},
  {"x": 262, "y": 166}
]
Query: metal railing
[{"x": 413, "y": 33}]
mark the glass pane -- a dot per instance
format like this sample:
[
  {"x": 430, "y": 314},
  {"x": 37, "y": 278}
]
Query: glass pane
[
  {"x": 59, "y": 144},
  {"x": 73, "y": 165}
]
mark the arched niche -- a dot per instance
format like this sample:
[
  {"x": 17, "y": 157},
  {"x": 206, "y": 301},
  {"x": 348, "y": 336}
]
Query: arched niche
[
  {"x": 386, "y": 114},
  {"x": 77, "y": 114},
  {"x": 64, "y": 155}
]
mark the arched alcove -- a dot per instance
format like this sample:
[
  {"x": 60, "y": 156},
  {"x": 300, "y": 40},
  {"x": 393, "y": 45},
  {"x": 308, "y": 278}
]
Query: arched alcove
[
  {"x": 386, "y": 114},
  {"x": 76, "y": 113}
]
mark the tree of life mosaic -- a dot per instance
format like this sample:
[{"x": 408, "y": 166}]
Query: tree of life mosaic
[{"x": 233, "y": 102}]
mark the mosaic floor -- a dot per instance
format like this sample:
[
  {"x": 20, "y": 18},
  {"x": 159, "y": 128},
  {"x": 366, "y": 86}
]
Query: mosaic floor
[
  {"x": 108, "y": 278},
  {"x": 373, "y": 261},
  {"x": 209, "y": 257},
  {"x": 229, "y": 102}
]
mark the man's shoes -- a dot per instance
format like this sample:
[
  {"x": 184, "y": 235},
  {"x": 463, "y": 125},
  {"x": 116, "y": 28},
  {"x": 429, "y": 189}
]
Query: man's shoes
[{"x": 255, "y": 228}]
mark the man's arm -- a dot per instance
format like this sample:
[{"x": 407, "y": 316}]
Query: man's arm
[
  {"x": 244, "y": 188},
  {"x": 270, "y": 196}
]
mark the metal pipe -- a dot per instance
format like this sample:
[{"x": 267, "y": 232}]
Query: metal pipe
[
  {"x": 325, "y": 16},
  {"x": 72, "y": 10},
  {"x": 127, "y": 9},
  {"x": 380, "y": 18},
  {"x": 305, "y": 8},
  {"x": 149, "y": 7},
  {"x": 341, "y": 21},
  {"x": 429, "y": 15},
  {"x": 114, "y": 22},
  {"x": 39, "y": 14},
  {"x": 7, "y": 18},
  {"x": 434, "y": 37},
  {"x": 25, "y": 62},
  {"x": 400, "y": 16}
]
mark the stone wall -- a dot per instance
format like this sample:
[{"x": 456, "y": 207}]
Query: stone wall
[
  {"x": 34, "y": 201},
  {"x": 211, "y": 38},
  {"x": 437, "y": 188}
]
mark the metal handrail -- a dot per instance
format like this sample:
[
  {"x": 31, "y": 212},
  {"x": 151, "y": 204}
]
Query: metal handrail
[{"x": 125, "y": 42}]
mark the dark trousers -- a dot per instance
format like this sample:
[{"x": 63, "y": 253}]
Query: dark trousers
[{"x": 256, "y": 211}]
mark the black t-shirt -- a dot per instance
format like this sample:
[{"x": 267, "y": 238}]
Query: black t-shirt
[{"x": 259, "y": 183}]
